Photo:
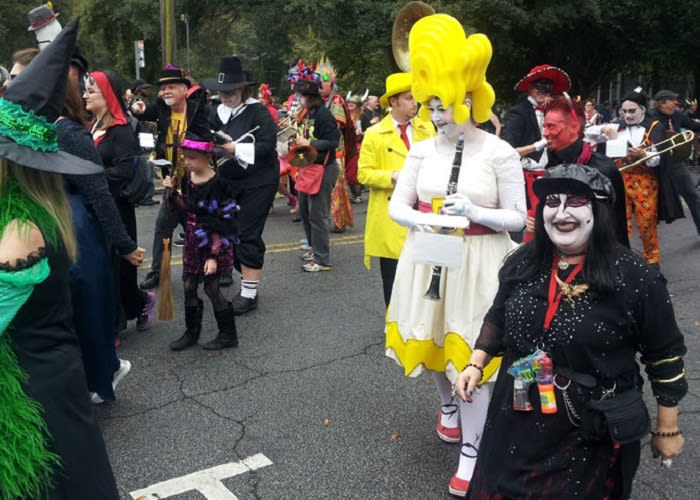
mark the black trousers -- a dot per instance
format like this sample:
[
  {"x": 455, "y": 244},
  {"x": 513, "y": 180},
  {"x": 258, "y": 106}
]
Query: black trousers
[
  {"x": 387, "y": 268},
  {"x": 683, "y": 182},
  {"x": 255, "y": 203}
]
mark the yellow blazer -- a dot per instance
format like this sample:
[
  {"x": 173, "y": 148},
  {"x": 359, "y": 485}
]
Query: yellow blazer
[{"x": 382, "y": 153}]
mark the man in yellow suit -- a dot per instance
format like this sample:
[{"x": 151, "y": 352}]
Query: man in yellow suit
[{"x": 384, "y": 150}]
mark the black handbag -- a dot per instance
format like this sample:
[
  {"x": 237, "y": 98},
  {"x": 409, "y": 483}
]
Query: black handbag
[
  {"x": 624, "y": 418},
  {"x": 139, "y": 186}
]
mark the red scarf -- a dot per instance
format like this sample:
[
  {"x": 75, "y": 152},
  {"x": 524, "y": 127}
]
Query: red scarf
[{"x": 585, "y": 156}]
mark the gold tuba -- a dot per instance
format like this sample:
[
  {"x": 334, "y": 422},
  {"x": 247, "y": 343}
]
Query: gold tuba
[{"x": 405, "y": 19}]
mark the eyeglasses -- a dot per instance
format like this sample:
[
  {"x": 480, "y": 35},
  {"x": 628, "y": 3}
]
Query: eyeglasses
[
  {"x": 543, "y": 86},
  {"x": 572, "y": 200}
]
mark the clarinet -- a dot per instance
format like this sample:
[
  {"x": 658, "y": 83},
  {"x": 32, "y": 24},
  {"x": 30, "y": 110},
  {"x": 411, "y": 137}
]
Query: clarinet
[{"x": 433, "y": 292}]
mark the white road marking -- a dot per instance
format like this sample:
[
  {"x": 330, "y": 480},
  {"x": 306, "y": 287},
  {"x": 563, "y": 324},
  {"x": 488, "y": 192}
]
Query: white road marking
[{"x": 207, "y": 481}]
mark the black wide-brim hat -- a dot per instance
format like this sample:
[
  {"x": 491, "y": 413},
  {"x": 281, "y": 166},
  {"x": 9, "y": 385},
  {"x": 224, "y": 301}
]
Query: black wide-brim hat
[
  {"x": 575, "y": 179},
  {"x": 31, "y": 105},
  {"x": 231, "y": 76}
]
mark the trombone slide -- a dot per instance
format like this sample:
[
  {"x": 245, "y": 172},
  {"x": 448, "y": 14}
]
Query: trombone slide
[{"x": 662, "y": 147}]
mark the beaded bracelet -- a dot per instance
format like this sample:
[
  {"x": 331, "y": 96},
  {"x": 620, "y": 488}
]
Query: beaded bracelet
[
  {"x": 666, "y": 434},
  {"x": 480, "y": 368}
]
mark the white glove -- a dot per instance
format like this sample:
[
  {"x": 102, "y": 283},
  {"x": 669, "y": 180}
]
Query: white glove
[
  {"x": 540, "y": 145},
  {"x": 458, "y": 204}
]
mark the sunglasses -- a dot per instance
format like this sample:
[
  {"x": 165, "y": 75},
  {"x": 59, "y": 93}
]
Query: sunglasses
[
  {"x": 572, "y": 200},
  {"x": 627, "y": 111}
]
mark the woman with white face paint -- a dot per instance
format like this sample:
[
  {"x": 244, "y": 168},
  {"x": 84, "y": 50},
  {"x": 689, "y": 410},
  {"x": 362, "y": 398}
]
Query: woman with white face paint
[
  {"x": 487, "y": 200},
  {"x": 587, "y": 305}
]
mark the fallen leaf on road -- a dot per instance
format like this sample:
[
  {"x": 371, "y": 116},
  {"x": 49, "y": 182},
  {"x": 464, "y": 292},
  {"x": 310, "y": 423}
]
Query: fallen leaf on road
[
  {"x": 326, "y": 422},
  {"x": 394, "y": 437},
  {"x": 697, "y": 323},
  {"x": 212, "y": 355}
]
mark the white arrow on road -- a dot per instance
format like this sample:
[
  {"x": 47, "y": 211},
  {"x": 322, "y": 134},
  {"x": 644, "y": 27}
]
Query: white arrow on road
[{"x": 207, "y": 481}]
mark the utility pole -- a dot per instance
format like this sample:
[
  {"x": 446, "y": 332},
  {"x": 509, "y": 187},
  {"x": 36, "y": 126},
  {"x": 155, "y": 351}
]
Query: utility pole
[
  {"x": 186, "y": 19},
  {"x": 168, "y": 38},
  {"x": 139, "y": 58}
]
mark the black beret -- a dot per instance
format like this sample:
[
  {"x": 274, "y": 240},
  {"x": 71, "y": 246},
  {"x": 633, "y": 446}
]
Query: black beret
[{"x": 574, "y": 178}]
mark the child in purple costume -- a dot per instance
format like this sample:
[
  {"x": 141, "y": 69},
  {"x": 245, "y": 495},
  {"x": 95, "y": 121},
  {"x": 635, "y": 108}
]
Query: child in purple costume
[{"x": 209, "y": 211}]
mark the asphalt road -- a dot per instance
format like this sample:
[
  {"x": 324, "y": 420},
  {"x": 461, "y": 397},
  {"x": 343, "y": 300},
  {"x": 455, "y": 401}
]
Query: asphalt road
[{"x": 310, "y": 389}]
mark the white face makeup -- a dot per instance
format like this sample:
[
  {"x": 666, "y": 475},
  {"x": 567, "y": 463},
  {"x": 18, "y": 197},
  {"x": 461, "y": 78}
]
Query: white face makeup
[
  {"x": 568, "y": 221},
  {"x": 632, "y": 112},
  {"x": 441, "y": 117}
]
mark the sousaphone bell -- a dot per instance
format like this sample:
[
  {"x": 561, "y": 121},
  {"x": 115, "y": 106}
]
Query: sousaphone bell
[
  {"x": 302, "y": 156},
  {"x": 405, "y": 19}
]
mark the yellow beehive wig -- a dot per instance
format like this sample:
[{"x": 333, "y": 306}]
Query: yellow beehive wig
[{"x": 448, "y": 65}]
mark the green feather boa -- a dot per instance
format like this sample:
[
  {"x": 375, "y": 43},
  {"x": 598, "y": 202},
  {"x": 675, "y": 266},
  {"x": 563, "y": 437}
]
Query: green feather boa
[
  {"x": 26, "y": 464},
  {"x": 17, "y": 205}
]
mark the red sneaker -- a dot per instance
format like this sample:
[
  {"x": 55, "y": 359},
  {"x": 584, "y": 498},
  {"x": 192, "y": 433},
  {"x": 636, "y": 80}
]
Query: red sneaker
[
  {"x": 458, "y": 487},
  {"x": 448, "y": 434}
]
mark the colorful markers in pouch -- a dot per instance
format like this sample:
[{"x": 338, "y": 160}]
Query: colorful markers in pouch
[
  {"x": 537, "y": 367},
  {"x": 523, "y": 376},
  {"x": 545, "y": 385}
]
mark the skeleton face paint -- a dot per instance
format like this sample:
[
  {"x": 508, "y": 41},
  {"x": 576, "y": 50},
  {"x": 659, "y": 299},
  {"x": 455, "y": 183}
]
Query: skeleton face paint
[
  {"x": 568, "y": 221},
  {"x": 441, "y": 117}
]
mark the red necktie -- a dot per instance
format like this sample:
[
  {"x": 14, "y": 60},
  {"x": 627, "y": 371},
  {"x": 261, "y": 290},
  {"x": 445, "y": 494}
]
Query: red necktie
[{"x": 404, "y": 136}]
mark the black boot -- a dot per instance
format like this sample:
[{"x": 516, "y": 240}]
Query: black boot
[
  {"x": 193, "y": 321},
  {"x": 227, "y": 337}
]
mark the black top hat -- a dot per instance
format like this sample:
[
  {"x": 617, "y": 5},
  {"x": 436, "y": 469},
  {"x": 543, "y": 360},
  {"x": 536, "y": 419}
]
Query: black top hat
[
  {"x": 575, "y": 179},
  {"x": 307, "y": 87},
  {"x": 173, "y": 74},
  {"x": 231, "y": 76},
  {"x": 40, "y": 17},
  {"x": 30, "y": 106}
]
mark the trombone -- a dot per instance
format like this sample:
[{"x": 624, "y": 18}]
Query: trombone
[{"x": 670, "y": 144}]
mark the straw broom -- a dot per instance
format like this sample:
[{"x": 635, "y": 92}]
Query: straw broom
[{"x": 166, "y": 302}]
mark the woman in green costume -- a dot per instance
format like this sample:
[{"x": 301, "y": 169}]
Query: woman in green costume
[{"x": 51, "y": 447}]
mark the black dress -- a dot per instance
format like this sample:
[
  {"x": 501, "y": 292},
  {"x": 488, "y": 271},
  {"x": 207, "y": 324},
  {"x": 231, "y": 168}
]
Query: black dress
[
  {"x": 47, "y": 350},
  {"x": 118, "y": 148},
  {"x": 536, "y": 455}
]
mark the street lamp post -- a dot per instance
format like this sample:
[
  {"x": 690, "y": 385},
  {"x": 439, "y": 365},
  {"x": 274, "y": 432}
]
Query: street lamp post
[{"x": 186, "y": 19}]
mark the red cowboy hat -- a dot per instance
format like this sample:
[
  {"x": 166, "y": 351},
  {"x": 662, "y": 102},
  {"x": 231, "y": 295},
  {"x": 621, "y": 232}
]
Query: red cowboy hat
[{"x": 560, "y": 79}]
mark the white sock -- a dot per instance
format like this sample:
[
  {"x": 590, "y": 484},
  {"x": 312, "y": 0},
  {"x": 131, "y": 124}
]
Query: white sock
[
  {"x": 449, "y": 410},
  {"x": 249, "y": 288},
  {"x": 473, "y": 417}
]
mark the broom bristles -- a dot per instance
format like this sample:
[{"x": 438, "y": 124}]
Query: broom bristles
[{"x": 166, "y": 302}]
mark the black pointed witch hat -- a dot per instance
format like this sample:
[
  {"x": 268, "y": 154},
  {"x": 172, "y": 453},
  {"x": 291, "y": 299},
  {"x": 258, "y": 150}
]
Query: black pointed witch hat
[{"x": 31, "y": 105}]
